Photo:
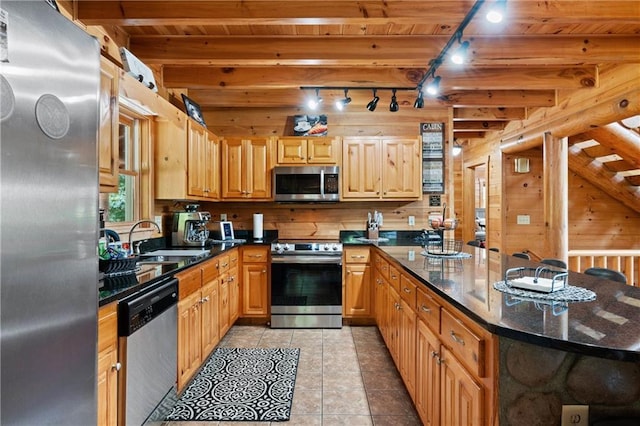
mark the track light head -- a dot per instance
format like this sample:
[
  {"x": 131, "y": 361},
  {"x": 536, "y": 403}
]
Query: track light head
[
  {"x": 434, "y": 87},
  {"x": 341, "y": 103},
  {"x": 496, "y": 13},
  {"x": 371, "y": 106},
  {"x": 393, "y": 106},
  {"x": 313, "y": 103},
  {"x": 419, "y": 103},
  {"x": 456, "y": 150},
  {"x": 460, "y": 55}
]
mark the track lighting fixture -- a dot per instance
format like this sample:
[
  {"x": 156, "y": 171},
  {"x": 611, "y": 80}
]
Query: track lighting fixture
[
  {"x": 433, "y": 88},
  {"x": 393, "y": 106},
  {"x": 457, "y": 149},
  {"x": 496, "y": 13},
  {"x": 371, "y": 106},
  {"x": 419, "y": 103},
  {"x": 460, "y": 55},
  {"x": 341, "y": 103},
  {"x": 313, "y": 103}
]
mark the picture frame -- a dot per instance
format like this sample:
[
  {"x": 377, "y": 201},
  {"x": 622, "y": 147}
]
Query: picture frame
[
  {"x": 310, "y": 125},
  {"x": 226, "y": 231},
  {"x": 193, "y": 110}
]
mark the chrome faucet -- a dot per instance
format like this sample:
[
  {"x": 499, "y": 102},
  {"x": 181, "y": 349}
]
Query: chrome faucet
[{"x": 136, "y": 248}]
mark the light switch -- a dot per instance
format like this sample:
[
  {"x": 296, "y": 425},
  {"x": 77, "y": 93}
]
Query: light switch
[
  {"x": 412, "y": 220},
  {"x": 523, "y": 219}
]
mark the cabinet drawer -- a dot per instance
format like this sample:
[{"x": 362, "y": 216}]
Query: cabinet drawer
[
  {"x": 428, "y": 310},
  {"x": 381, "y": 265},
  {"x": 107, "y": 326},
  {"x": 255, "y": 254},
  {"x": 210, "y": 269},
  {"x": 394, "y": 278},
  {"x": 189, "y": 281},
  {"x": 223, "y": 263},
  {"x": 356, "y": 255},
  {"x": 408, "y": 291},
  {"x": 464, "y": 343}
]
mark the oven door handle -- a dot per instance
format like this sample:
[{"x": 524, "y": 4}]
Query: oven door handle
[{"x": 301, "y": 259}]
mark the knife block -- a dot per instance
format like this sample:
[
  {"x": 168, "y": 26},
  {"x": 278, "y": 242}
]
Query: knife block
[{"x": 372, "y": 234}]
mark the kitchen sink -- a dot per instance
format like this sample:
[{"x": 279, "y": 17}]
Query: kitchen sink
[
  {"x": 172, "y": 256},
  {"x": 164, "y": 259}
]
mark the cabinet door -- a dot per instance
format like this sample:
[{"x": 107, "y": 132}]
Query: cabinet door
[
  {"x": 209, "y": 325},
  {"x": 380, "y": 302},
  {"x": 323, "y": 151},
  {"x": 212, "y": 167},
  {"x": 108, "y": 158},
  {"x": 407, "y": 346},
  {"x": 461, "y": 402},
  {"x": 360, "y": 168},
  {"x": 223, "y": 303},
  {"x": 292, "y": 151},
  {"x": 234, "y": 296},
  {"x": 232, "y": 157},
  {"x": 196, "y": 145},
  {"x": 254, "y": 289},
  {"x": 401, "y": 169},
  {"x": 393, "y": 323},
  {"x": 189, "y": 338},
  {"x": 258, "y": 168},
  {"x": 107, "y": 388},
  {"x": 357, "y": 291},
  {"x": 427, "y": 396}
]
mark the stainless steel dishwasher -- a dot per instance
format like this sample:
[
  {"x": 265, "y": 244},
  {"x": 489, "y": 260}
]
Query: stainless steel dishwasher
[{"x": 148, "y": 330}]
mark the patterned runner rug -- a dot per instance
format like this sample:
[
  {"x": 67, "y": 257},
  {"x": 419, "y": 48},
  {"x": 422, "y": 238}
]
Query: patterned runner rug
[{"x": 241, "y": 384}]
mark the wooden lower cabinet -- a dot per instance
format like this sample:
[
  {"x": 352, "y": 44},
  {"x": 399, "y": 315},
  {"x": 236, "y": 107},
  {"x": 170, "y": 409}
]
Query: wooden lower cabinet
[
  {"x": 223, "y": 306},
  {"x": 427, "y": 396},
  {"x": 108, "y": 366},
  {"x": 209, "y": 317},
  {"x": 234, "y": 295},
  {"x": 407, "y": 346},
  {"x": 393, "y": 324},
  {"x": 356, "y": 287},
  {"x": 255, "y": 281},
  {"x": 189, "y": 338},
  {"x": 461, "y": 397},
  {"x": 380, "y": 302}
]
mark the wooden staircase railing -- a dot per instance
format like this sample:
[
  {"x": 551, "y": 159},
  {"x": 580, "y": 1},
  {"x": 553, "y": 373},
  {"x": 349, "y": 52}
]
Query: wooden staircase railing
[{"x": 625, "y": 261}]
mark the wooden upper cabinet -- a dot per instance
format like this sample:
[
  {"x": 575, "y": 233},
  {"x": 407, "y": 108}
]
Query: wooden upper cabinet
[
  {"x": 320, "y": 150},
  {"x": 381, "y": 168},
  {"x": 203, "y": 162},
  {"x": 187, "y": 160},
  {"x": 360, "y": 168},
  {"x": 401, "y": 168},
  {"x": 108, "y": 158},
  {"x": 246, "y": 168}
]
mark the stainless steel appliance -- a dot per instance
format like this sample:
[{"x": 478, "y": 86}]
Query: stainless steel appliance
[
  {"x": 190, "y": 227},
  {"x": 148, "y": 329},
  {"x": 306, "y": 183},
  {"x": 306, "y": 284},
  {"x": 49, "y": 83}
]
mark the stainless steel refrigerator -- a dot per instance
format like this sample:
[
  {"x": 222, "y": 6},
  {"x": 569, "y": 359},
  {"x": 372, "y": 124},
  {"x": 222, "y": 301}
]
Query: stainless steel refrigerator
[{"x": 49, "y": 83}]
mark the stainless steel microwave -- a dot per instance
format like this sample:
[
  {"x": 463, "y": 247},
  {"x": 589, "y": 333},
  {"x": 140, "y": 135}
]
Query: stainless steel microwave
[{"x": 306, "y": 183}]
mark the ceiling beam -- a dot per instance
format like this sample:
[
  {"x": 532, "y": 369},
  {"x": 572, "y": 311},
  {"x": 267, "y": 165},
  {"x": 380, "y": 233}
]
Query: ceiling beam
[
  {"x": 618, "y": 140},
  {"x": 481, "y": 114},
  {"x": 300, "y": 12},
  {"x": 478, "y": 126},
  {"x": 395, "y": 51},
  {"x": 533, "y": 78},
  {"x": 608, "y": 182}
]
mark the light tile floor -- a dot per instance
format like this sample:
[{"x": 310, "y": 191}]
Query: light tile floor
[{"x": 345, "y": 377}]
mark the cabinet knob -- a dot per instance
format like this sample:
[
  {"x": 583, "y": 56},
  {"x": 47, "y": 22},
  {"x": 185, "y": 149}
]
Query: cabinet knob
[
  {"x": 264, "y": 271},
  {"x": 407, "y": 290},
  {"x": 117, "y": 366}
]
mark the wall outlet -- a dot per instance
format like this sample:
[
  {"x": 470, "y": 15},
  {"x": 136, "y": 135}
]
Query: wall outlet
[
  {"x": 412, "y": 220},
  {"x": 223, "y": 217},
  {"x": 523, "y": 219},
  {"x": 575, "y": 415},
  {"x": 158, "y": 220}
]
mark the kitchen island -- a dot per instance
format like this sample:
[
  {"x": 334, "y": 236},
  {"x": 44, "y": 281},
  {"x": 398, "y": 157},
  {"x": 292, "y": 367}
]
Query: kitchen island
[{"x": 546, "y": 354}]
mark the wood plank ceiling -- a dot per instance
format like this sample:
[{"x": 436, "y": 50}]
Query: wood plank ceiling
[{"x": 257, "y": 53}]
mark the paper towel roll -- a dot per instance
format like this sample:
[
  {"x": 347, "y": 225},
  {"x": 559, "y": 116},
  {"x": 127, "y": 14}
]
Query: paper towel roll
[{"x": 257, "y": 226}]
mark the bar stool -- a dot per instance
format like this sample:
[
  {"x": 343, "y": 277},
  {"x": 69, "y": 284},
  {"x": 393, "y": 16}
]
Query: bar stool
[
  {"x": 554, "y": 262},
  {"x": 608, "y": 274},
  {"x": 521, "y": 255}
]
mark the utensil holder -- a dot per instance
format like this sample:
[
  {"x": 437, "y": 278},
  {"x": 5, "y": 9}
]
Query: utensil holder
[{"x": 372, "y": 234}]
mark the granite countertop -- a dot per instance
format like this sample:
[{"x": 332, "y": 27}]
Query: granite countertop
[
  {"x": 114, "y": 288},
  {"x": 606, "y": 327}
]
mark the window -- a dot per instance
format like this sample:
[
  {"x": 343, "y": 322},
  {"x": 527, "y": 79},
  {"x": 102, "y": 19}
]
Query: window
[{"x": 130, "y": 203}]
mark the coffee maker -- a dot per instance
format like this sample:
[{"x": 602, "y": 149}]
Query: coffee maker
[{"x": 190, "y": 227}]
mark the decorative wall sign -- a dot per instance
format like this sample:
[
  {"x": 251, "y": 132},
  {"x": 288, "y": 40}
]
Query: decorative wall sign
[
  {"x": 432, "y": 157},
  {"x": 193, "y": 109},
  {"x": 310, "y": 125}
]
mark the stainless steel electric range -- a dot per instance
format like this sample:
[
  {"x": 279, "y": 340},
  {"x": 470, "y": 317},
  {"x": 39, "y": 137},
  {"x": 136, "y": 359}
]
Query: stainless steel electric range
[{"x": 306, "y": 284}]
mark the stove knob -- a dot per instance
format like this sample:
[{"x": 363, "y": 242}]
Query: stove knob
[
  {"x": 287, "y": 247},
  {"x": 327, "y": 247},
  {"x": 278, "y": 246},
  {"x": 334, "y": 247}
]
